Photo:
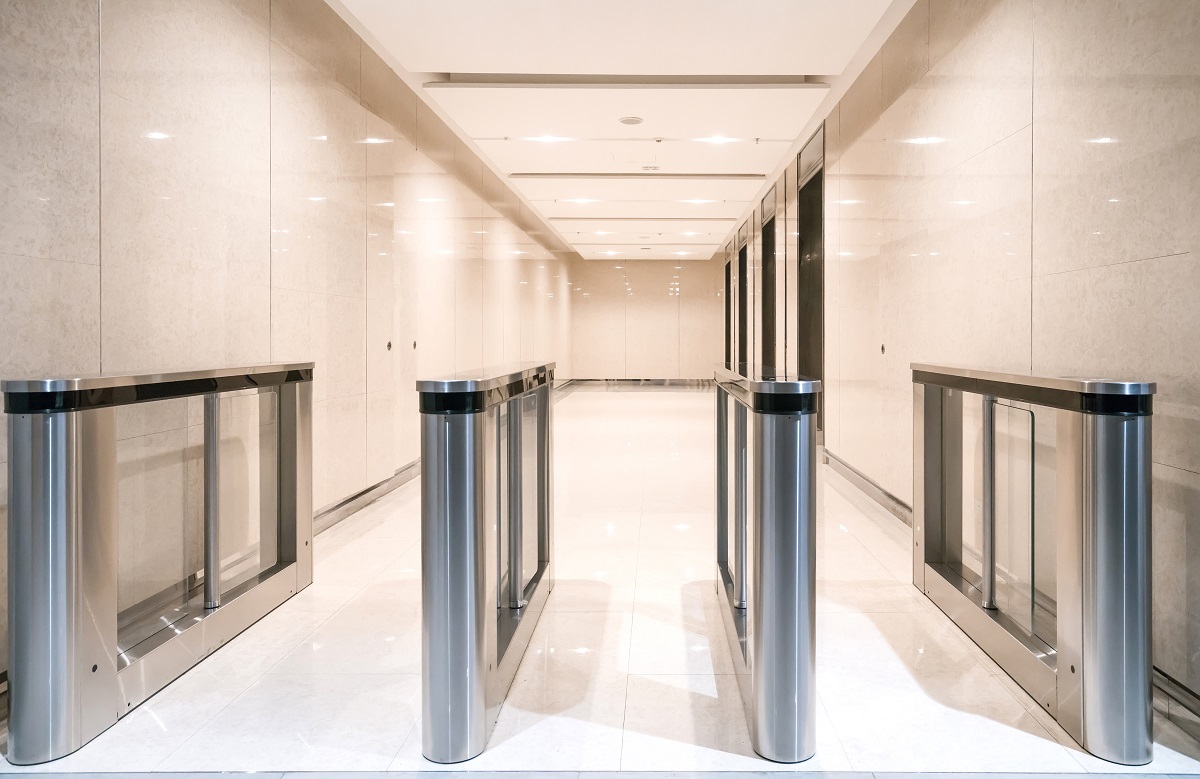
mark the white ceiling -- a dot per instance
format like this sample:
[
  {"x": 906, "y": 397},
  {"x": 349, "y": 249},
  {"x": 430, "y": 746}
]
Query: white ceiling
[
  {"x": 621, "y": 37},
  {"x": 750, "y": 74}
]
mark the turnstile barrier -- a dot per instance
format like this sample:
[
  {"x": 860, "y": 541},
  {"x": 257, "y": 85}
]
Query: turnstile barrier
[
  {"x": 486, "y": 545},
  {"x": 766, "y": 553},
  {"x": 1031, "y": 530},
  {"x": 78, "y": 659}
]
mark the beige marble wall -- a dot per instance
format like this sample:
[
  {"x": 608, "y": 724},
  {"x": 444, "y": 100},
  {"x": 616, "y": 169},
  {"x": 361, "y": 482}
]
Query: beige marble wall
[
  {"x": 647, "y": 319},
  {"x": 219, "y": 182},
  {"x": 1014, "y": 237}
]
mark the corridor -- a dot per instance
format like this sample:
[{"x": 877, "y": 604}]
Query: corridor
[{"x": 629, "y": 667}]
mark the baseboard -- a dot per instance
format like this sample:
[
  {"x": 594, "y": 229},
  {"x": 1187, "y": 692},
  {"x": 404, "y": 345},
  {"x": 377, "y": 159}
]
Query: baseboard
[
  {"x": 870, "y": 488},
  {"x": 1183, "y": 704},
  {"x": 331, "y": 515}
]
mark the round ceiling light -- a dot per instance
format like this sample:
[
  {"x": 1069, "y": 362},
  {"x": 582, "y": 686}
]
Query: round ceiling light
[{"x": 631, "y": 120}]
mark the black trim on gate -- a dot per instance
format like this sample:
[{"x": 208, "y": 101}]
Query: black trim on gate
[
  {"x": 81, "y": 400},
  {"x": 474, "y": 401},
  {"x": 773, "y": 402},
  {"x": 1068, "y": 400}
]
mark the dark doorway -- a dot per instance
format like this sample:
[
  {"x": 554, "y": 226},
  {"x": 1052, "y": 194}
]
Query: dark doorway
[
  {"x": 743, "y": 354},
  {"x": 728, "y": 315},
  {"x": 768, "y": 298},
  {"x": 810, "y": 280}
]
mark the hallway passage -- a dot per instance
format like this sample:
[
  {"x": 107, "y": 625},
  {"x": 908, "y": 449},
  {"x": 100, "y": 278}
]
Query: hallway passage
[{"x": 628, "y": 668}]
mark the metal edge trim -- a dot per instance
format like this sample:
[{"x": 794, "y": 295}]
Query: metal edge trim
[
  {"x": 1177, "y": 692},
  {"x": 866, "y": 485},
  {"x": 105, "y": 382},
  {"x": 1068, "y": 384},
  {"x": 497, "y": 377},
  {"x": 139, "y": 680},
  {"x": 336, "y": 512},
  {"x": 1006, "y": 649}
]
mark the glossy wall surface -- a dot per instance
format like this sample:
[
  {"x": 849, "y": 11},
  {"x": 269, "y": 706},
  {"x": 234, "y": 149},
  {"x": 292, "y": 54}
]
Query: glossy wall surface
[
  {"x": 1012, "y": 185},
  {"x": 647, "y": 319},
  {"x": 222, "y": 182}
]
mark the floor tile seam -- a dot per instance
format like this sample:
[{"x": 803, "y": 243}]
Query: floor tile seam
[
  {"x": 836, "y": 734},
  {"x": 403, "y": 741},
  {"x": 1017, "y": 698},
  {"x": 637, "y": 557},
  {"x": 159, "y": 765}
]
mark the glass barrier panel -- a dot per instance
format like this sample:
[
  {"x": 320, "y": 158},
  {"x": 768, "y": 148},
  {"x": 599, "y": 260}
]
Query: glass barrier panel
[
  {"x": 249, "y": 471},
  {"x": 160, "y": 510}
]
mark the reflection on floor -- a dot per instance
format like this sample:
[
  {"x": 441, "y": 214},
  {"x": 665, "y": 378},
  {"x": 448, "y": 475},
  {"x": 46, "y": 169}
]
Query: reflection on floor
[{"x": 628, "y": 669}]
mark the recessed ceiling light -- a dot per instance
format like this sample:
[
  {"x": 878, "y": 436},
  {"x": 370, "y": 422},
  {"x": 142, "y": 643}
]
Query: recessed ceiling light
[
  {"x": 845, "y": 254},
  {"x": 431, "y": 200},
  {"x": 678, "y": 267},
  {"x": 315, "y": 199},
  {"x": 848, "y": 202},
  {"x": 681, "y": 254},
  {"x": 611, "y": 253},
  {"x": 697, "y": 202},
  {"x": 155, "y": 135},
  {"x": 924, "y": 141},
  {"x": 518, "y": 252},
  {"x": 717, "y": 139},
  {"x": 581, "y": 200},
  {"x": 480, "y": 232},
  {"x": 630, "y": 120},
  {"x": 1105, "y": 139},
  {"x": 618, "y": 267},
  {"x": 549, "y": 139},
  {"x": 319, "y": 137},
  {"x": 1113, "y": 200},
  {"x": 689, "y": 232},
  {"x": 377, "y": 140},
  {"x": 604, "y": 232},
  {"x": 385, "y": 205}
]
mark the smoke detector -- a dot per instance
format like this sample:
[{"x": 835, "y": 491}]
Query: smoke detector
[{"x": 631, "y": 120}]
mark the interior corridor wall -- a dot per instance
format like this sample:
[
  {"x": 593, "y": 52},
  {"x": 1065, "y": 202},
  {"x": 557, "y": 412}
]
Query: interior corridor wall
[
  {"x": 234, "y": 182},
  {"x": 1013, "y": 185},
  {"x": 647, "y": 319}
]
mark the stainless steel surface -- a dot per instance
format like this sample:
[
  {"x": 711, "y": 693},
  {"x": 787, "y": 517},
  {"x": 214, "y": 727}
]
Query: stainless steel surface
[
  {"x": 741, "y": 504},
  {"x": 783, "y": 385},
  {"x": 516, "y": 505},
  {"x": 486, "y": 546},
  {"x": 104, "y": 381},
  {"x": 768, "y": 581},
  {"x": 1097, "y": 679},
  {"x": 212, "y": 501},
  {"x": 62, "y": 564},
  {"x": 1071, "y": 384},
  {"x": 455, "y": 598},
  {"x": 68, "y": 678},
  {"x": 1117, "y": 713},
  {"x": 783, "y": 605},
  {"x": 154, "y": 664},
  {"x": 486, "y": 378},
  {"x": 988, "y": 587},
  {"x": 1028, "y": 661}
]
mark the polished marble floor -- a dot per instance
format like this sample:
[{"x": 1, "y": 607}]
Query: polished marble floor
[{"x": 628, "y": 669}]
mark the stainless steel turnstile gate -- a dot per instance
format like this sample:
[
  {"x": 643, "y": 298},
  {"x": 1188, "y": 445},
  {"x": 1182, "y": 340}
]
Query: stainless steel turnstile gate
[
  {"x": 486, "y": 545},
  {"x": 766, "y": 554},
  {"x": 1032, "y": 532},
  {"x": 77, "y": 661}
]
